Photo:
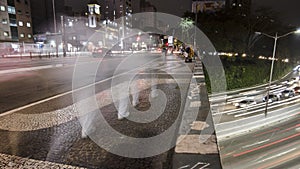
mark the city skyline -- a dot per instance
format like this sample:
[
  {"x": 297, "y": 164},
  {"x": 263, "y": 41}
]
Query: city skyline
[{"x": 287, "y": 9}]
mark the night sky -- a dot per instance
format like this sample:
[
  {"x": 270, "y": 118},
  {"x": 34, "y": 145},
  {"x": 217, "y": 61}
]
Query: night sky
[{"x": 288, "y": 10}]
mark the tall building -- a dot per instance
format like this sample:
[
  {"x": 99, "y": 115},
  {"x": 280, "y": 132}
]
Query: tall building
[
  {"x": 144, "y": 6},
  {"x": 5, "y": 33},
  {"x": 207, "y": 6},
  {"x": 43, "y": 13},
  {"x": 94, "y": 13},
  {"x": 16, "y": 23},
  {"x": 114, "y": 9}
]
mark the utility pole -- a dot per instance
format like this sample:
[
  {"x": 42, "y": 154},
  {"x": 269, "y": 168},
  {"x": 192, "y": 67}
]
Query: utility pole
[
  {"x": 123, "y": 32},
  {"x": 55, "y": 29},
  {"x": 276, "y": 37},
  {"x": 63, "y": 36},
  {"x": 54, "y": 16},
  {"x": 195, "y": 30},
  {"x": 271, "y": 72}
]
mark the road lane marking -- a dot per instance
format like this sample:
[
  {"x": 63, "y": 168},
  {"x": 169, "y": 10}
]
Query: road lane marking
[
  {"x": 70, "y": 92},
  {"x": 224, "y": 132},
  {"x": 249, "y": 88},
  {"x": 27, "y": 69},
  {"x": 266, "y": 145},
  {"x": 277, "y": 155},
  {"x": 200, "y": 163},
  {"x": 284, "y": 160},
  {"x": 296, "y": 126},
  {"x": 257, "y": 143},
  {"x": 31, "y": 122},
  {"x": 16, "y": 70},
  {"x": 263, "y": 133},
  {"x": 186, "y": 166},
  {"x": 260, "y": 105}
]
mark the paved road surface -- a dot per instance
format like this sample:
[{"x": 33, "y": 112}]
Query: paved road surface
[{"x": 50, "y": 131}]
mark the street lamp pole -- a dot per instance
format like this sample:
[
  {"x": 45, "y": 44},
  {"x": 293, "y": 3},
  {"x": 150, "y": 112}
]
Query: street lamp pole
[
  {"x": 276, "y": 37},
  {"x": 195, "y": 29},
  {"x": 55, "y": 29},
  {"x": 271, "y": 71},
  {"x": 54, "y": 16}
]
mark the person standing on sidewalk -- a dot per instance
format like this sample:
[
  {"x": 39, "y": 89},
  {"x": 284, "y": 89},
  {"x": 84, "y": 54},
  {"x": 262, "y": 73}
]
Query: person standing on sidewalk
[{"x": 123, "y": 98}]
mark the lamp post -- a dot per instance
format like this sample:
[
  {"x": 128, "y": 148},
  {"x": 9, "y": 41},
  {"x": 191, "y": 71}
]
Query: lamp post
[
  {"x": 55, "y": 29},
  {"x": 276, "y": 37},
  {"x": 54, "y": 15},
  {"x": 195, "y": 29}
]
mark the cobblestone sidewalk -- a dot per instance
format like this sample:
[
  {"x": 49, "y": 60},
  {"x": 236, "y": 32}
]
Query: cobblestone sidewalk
[{"x": 14, "y": 162}]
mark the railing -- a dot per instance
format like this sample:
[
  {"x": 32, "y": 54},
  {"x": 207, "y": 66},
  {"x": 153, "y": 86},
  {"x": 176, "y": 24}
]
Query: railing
[{"x": 31, "y": 50}]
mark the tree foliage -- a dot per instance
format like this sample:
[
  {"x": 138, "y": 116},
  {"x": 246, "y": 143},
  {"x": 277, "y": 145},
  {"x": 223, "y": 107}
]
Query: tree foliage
[{"x": 230, "y": 31}]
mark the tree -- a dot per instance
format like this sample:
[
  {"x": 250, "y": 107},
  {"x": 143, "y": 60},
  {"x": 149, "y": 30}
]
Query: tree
[{"x": 186, "y": 24}]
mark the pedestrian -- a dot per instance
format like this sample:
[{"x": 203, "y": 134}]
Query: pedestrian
[{"x": 123, "y": 92}]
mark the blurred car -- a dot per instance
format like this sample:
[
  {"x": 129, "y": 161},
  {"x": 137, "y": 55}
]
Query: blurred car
[
  {"x": 284, "y": 82},
  {"x": 290, "y": 82},
  {"x": 100, "y": 52},
  {"x": 245, "y": 103},
  {"x": 297, "y": 90},
  {"x": 295, "y": 79},
  {"x": 288, "y": 93},
  {"x": 297, "y": 68},
  {"x": 272, "y": 98}
]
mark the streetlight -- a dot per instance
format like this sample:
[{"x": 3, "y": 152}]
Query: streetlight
[
  {"x": 276, "y": 37},
  {"x": 54, "y": 24},
  {"x": 54, "y": 15}
]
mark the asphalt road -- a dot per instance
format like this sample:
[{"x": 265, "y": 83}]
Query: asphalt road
[
  {"x": 24, "y": 87},
  {"x": 242, "y": 146},
  {"x": 271, "y": 147},
  {"x": 223, "y": 105},
  {"x": 50, "y": 130}
]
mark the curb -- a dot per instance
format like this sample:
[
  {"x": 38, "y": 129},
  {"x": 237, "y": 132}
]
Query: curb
[{"x": 198, "y": 148}]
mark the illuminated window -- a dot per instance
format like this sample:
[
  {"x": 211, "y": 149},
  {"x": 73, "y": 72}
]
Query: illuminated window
[
  {"x": 11, "y": 10},
  {"x": 22, "y": 35},
  {"x": 29, "y": 36},
  {"x": 6, "y": 34},
  {"x": 28, "y": 24},
  {"x": 2, "y": 8},
  {"x": 21, "y": 23}
]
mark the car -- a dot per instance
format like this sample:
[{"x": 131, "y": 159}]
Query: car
[
  {"x": 297, "y": 68},
  {"x": 295, "y": 79},
  {"x": 297, "y": 90},
  {"x": 287, "y": 93},
  {"x": 100, "y": 52},
  {"x": 290, "y": 82},
  {"x": 284, "y": 82},
  {"x": 272, "y": 98},
  {"x": 245, "y": 103}
]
